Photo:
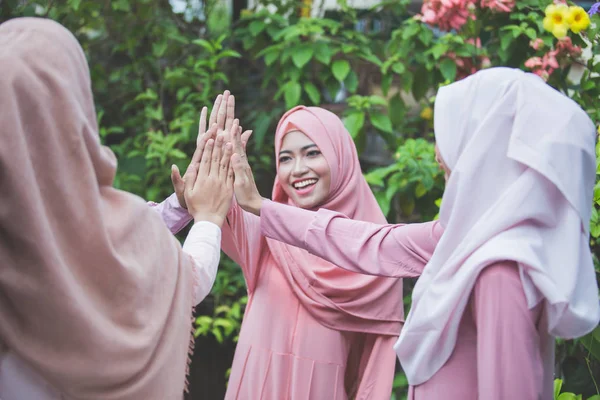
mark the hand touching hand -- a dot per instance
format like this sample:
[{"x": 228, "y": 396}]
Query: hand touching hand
[
  {"x": 222, "y": 114},
  {"x": 209, "y": 185},
  {"x": 246, "y": 193}
]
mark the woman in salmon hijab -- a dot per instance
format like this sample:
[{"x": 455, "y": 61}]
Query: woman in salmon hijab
[
  {"x": 96, "y": 295},
  {"x": 513, "y": 268},
  {"x": 312, "y": 330}
]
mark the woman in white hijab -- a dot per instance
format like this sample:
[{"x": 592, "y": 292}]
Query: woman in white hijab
[{"x": 513, "y": 268}]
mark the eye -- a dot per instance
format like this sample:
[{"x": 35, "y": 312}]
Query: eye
[
  {"x": 313, "y": 153},
  {"x": 284, "y": 159}
]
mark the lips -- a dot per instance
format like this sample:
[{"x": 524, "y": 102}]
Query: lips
[
  {"x": 298, "y": 185},
  {"x": 305, "y": 186}
]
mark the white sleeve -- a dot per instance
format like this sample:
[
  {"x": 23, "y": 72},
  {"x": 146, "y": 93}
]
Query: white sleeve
[{"x": 203, "y": 244}]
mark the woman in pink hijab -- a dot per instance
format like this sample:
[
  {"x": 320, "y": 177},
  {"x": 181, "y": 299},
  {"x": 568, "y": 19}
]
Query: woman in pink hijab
[
  {"x": 96, "y": 295},
  {"x": 513, "y": 268},
  {"x": 311, "y": 330}
]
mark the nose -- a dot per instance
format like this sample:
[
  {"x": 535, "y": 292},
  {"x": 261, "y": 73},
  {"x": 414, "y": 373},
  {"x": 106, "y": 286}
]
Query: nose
[{"x": 300, "y": 167}]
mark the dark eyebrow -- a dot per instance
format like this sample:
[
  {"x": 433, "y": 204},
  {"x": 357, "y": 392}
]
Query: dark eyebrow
[{"x": 308, "y": 146}]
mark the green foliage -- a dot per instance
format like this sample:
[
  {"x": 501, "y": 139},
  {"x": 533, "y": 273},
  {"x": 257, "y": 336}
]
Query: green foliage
[{"x": 153, "y": 69}]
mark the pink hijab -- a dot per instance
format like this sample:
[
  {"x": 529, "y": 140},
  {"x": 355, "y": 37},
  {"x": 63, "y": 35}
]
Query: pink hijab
[
  {"x": 339, "y": 299},
  {"x": 96, "y": 295}
]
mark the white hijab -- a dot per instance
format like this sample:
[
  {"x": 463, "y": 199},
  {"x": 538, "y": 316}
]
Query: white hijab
[{"x": 523, "y": 166}]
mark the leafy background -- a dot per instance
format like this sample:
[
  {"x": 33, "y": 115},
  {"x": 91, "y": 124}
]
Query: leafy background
[{"x": 154, "y": 66}]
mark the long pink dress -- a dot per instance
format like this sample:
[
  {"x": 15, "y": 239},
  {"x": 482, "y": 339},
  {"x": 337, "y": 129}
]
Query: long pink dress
[
  {"x": 499, "y": 339},
  {"x": 283, "y": 351}
]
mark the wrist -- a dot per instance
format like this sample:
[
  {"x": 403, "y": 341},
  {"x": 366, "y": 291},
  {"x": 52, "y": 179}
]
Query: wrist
[
  {"x": 256, "y": 206},
  {"x": 209, "y": 217}
]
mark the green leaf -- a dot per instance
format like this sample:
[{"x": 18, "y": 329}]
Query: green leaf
[
  {"x": 256, "y": 27},
  {"x": 292, "y": 94},
  {"x": 397, "y": 111},
  {"x": 505, "y": 40},
  {"x": 271, "y": 57},
  {"x": 351, "y": 82},
  {"x": 74, "y": 4},
  {"x": 591, "y": 342},
  {"x": 420, "y": 190},
  {"x": 439, "y": 50},
  {"x": 398, "y": 68},
  {"x": 531, "y": 34},
  {"x": 448, "y": 69},
  {"x": 557, "y": 385},
  {"x": 313, "y": 93},
  {"x": 420, "y": 83},
  {"x": 302, "y": 55},
  {"x": 381, "y": 121},
  {"x": 158, "y": 49},
  {"x": 386, "y": 82},
  {"x": 340, "y": 69},
  {"x": 354, "y": 122},
  {"x": 323, "y": 52},
  {"x": 204, "y": 43},
  {"x": 569, "y": 396}
]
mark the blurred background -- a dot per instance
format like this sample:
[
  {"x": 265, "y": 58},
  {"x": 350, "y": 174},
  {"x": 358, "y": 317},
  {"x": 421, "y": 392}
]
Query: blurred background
[{"x": 377, "y": 64}]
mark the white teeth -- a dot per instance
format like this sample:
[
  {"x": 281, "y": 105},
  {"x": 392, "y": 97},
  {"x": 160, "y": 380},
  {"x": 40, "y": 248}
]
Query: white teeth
[{"x": 300, "y": 185}]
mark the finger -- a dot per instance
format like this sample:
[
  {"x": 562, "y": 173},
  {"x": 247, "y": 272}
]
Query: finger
[
  {"x": 190, "y": 177},
  {"x": 215, "y": 110},
  {"x": 239, "y": 169},
  {"x": 197, "y": 156},
  {"x": 216, "y": 156},
  {"x": 202, "y": 124},
  {"x": 204, "y": 169},
  {"x": 230, "y": 112},
  {"x": 225, "y": 169},
  {"x": 245, "y": 137},
  {"x": 238, "y": 147},
  {"x": 222, "y": 114},
  {"x": 176, "y": 177}
]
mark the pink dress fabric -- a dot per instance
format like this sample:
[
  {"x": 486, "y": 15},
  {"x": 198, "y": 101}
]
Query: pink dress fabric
[
  {"x": 497, "y": 330},
  {"x": 312, "y": 330},
  {"x": 283, "y": 351}
]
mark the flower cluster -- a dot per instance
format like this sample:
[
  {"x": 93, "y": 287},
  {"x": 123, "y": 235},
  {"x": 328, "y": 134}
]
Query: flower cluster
[
  {"x": 466, "y": 66},
  {"x": 560, "y": 18},
  {"x": 453, "y": 14},
  {"x": 544, "y": 66}
]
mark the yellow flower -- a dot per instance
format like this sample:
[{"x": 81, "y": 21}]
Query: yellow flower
[
  {"x": 557, "y": 20},
  {"x": 598, "y": 129},
  {"x": 427, "y": 113},
  {"x": 578, "y": 19}
]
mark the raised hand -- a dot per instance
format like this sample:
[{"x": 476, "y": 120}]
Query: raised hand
[
  {"x": 221, "y": 115},
  {"x": 209, "y": 185},
  {"x": 246, "y": 192}
]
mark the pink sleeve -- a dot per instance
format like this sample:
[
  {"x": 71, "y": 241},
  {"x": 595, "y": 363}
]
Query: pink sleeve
[
  {"x": 241, "y": 241},
  {"x": 399, "y": 251},
  {"x": 174, "y": 216}
]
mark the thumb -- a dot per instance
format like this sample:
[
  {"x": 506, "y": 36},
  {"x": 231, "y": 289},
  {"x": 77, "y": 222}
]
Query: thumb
[{"x": 176, "y": 176}]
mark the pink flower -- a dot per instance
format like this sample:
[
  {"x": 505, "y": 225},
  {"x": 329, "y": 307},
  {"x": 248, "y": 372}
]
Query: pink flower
[
  {"x": 466, "y": 66},
  {"x": 533, "y": 62},
  {"x": 565, "y": 46},
  {"x": 542, "y": 74},
  {"x": 536, "y": 44},
  {"x": 447, "y": 14},
  {"x": 498, "y": 5}
]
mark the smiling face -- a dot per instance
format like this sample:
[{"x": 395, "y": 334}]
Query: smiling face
[{"x": 303, "y": 171}]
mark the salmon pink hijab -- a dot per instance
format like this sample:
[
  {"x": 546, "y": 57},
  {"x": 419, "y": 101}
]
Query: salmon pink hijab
[
  {"x": 523, "y": 164},
  {"x": 96, "y": 295},
  {"x": 339, "y": 299}
]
